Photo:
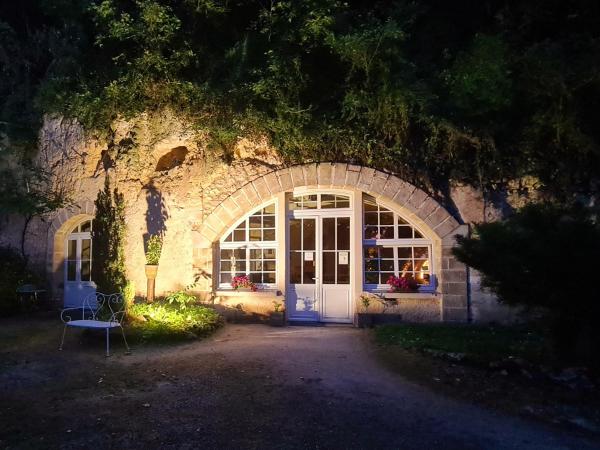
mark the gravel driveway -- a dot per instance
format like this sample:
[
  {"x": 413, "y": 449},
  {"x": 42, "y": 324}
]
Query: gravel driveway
[{"x": 249, "y": 386}]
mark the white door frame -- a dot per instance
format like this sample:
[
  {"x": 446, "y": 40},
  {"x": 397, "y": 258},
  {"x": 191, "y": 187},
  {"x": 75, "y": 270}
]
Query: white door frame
[
  {"x": 318, "y": 215},
  {"x": 76, "y": 290}
]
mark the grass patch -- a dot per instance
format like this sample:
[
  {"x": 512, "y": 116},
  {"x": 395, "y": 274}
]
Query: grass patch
[
  {"x": 481, "y": 344},
  {"x": 169, "y": 322}
]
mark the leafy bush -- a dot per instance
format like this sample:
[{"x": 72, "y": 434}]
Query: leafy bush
[
  {"x": 544, "y": 256},
  {"x": 165, "y": 321},
  {"x": 153, "y": 250},
  {"x": 182, "y": 299},
  {"x": 13, "y": 273}
]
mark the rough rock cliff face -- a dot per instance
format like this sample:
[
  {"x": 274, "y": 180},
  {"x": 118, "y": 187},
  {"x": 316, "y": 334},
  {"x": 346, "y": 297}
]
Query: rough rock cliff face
[{"x": 171, "y": 181}]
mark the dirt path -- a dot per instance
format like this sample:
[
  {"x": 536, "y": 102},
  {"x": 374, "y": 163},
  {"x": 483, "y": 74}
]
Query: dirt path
[{"x": 249, "y": 386}]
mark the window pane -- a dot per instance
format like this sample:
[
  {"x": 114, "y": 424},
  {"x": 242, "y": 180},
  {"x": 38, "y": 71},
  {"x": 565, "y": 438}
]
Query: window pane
[
  {"x": 371, "y": 218},
  {"x": 269, "y": 209},
  {"x": 310, "y": 201},
  {"x": 269, "y": 235},
  {"x": 309, "y": 234},
  {"x": 225, "y": 277},
  {"x": 309, "y": 272},
  {"x": 369, "y": 204},
  {"x": 387, "y": 264},
  {"x": 372, "y": 278},
  {"x": 371, "y": 233},
  {"x": 255, "y": 277},
  {"x": 256, "y": 266},
  {"x": 328, "y": 233},
  {"x": 343, "y": 274},
  {"x": 371, "y": 265},
  {"x": 295, "y": 267},
  {"x": 239, "y": 235},
  {"x": 229, "y": 238},
  {"x": 386, "y": 218},
  {"x": 269, "y": 253},
  {"x": 256, "y": 253},
  {"x": 329, "y": 267},
  {"x": 404, "y": 252},
  {"x": 269, "y": 221},
  {"x": 269, "y": 278},
  {"x": 421, "y": 252},
  {"x": 295, "y": 234},
  {"x": 386, "y": 252},
  {"x": 86, "y": 270},
  {"x": 418, "y": 235},
  {"x": 327, "y": 201},
  {"x": 405, "y": 232},
  {"x": 225, "y": 266},
  {"x": 255, "y": 222},
  {"x": 239, "y": 253},
  {"x": 71, "y": 266},
  {"x": 86, "y": 249},
  {"x": 72, "y": 250},
  {"x": 86, "y": 226},
  {"x": 226, "y": 254},
  {"x": 371, "y": 252},
  {"x": 343, "y": 233},
  {"x": 386, "y": 232},
  {"x": 255, "y": 235},
  {"x": 404, "y": 265},
  {"x": 269, "y": 266}
]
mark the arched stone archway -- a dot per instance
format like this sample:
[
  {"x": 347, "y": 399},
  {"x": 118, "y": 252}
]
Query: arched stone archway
[
  {"x": 412, "y": 202},
  {"x": 63, "y": 222}
]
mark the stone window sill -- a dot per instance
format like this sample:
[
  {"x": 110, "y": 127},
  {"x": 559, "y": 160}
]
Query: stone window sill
[
  {"x": 401, "y": 295},
  {"x": 268, "y": 293}
]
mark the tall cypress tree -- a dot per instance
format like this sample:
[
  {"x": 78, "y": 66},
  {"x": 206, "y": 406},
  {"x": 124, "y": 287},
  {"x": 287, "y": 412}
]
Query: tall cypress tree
[{"x": 108, "y": 268}]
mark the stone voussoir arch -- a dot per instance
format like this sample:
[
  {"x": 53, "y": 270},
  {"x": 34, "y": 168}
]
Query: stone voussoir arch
[
  {"x": 412, "y": 201},
  {"x": 326, "y": 175}
]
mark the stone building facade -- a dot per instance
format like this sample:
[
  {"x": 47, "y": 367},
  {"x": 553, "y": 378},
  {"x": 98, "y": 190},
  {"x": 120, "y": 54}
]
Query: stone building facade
[{"x": 196, "y": 198}]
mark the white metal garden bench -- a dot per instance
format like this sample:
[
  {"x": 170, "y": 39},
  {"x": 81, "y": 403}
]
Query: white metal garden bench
[{"x": 99, "y": 312}]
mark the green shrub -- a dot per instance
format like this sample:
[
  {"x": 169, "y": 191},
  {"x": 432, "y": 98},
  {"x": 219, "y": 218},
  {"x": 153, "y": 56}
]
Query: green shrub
[
  {"x": 154, "y": 248},
  {"x": 163, "y": 321},
  {"x": 182, "y": 299},
  {"x": 13, "y": 273},
  {"x": 544, "y": 256}
]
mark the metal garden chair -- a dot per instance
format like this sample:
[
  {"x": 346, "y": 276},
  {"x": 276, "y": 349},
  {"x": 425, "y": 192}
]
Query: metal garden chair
[{"x": 100, "y": 312}]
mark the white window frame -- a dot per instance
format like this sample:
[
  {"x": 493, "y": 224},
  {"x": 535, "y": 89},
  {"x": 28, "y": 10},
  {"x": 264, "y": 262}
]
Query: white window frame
[
  {"x": 395, "y": 243},
  {"x": 248, "y": 245}
]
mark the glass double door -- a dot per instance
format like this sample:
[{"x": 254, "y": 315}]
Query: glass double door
[
  {"x": 319, "y": 269},
  {"x": 78, "y": 269}
]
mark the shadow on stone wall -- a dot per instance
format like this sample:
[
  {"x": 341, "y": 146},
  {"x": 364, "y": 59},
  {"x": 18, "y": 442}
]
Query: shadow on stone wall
[{"x": 156, "y": 213}]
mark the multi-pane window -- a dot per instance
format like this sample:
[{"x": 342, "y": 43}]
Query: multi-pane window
[
  {"x": 250, "y": 249},
  {"x": 319, "y": 201},
  {"x": 392, "y": 246},
  {"x": 79, "y": 253}
]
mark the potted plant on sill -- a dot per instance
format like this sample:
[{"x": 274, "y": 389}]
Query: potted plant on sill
[
  {"x": 402, "y": 284},
  {"x": 153, "y": 250},
  {"x": 364, "y": 319},
  {"x": 277, "y": 316},
  {"x": 243, "y": 284}
]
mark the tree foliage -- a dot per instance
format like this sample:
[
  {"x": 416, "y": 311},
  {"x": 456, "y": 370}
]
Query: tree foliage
[
  {"x": 474, "y": 92},
  {"x": 108, "y": 268},
  {"x": 543, "y": 256}
]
